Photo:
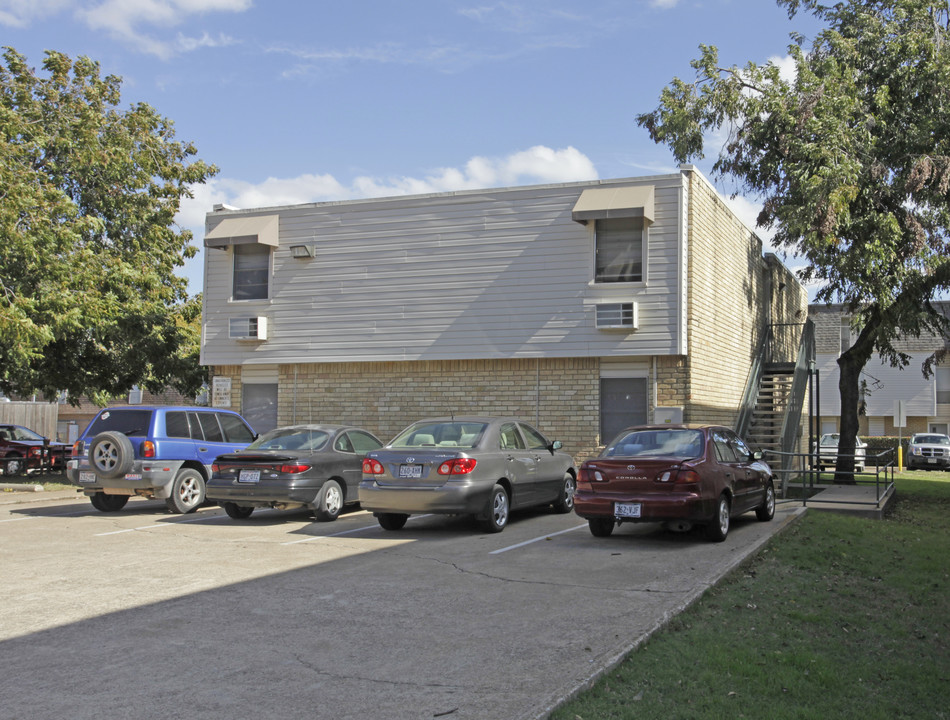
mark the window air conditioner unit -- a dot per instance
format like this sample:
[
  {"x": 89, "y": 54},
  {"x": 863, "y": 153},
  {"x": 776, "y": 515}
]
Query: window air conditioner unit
[
  {"x": 618, "y": 316},
  {"x": 248, "y": 328}
]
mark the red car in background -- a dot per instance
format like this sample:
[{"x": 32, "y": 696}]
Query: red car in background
[
  {"x": 678, "y": 475},
  {"x": 22, "y": 451}
]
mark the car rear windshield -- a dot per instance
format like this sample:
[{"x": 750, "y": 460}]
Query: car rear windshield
[
  {"x": 441, "y": 434},
  {"x": 127, "y": 422},
  {"x": 658, "y": 443},
  {"x": 302, "y": 439}
]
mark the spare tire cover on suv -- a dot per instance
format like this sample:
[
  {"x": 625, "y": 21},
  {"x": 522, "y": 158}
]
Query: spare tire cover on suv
[{"x": 111, "y": 454}]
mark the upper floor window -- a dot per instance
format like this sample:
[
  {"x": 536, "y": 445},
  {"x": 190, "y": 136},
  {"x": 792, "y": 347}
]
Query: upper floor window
[
  {"x": 251, "y": 272},
  {"x": 943, "y": 385},
  {"x": 619, "y": 250}
]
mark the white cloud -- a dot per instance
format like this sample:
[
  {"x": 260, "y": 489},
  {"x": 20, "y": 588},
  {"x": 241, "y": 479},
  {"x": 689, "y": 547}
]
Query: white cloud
[
  {"x": 664, "y": 3},
  {"x": 537, "y": 165},
  {"x": 20, "y": 13},
  {"x": 786, "y": 67},
  {"x": 123, "y": 19}
]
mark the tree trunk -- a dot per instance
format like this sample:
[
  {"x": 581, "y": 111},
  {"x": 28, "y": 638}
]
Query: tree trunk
[{"x": 850, "y": 365}]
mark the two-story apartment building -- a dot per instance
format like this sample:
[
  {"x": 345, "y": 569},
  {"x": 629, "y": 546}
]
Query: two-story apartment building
[
  {"x": 925, "y": 400},
  {"x": 582, "y": 307}
]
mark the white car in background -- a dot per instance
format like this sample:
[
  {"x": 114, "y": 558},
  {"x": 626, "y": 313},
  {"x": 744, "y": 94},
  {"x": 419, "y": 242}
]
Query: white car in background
[{"x": 828, "y": 452}]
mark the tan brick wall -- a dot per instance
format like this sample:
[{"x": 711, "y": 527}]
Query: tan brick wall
[
  {"x": 560, "y": 396},
  {"x": 671, "y": 381},
  {"x": 724, "y": 317}
]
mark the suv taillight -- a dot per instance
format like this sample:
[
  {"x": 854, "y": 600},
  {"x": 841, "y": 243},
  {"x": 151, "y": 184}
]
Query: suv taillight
[
  {"x": 77, "y": 448},
  {"x": 148, "y": 449}
]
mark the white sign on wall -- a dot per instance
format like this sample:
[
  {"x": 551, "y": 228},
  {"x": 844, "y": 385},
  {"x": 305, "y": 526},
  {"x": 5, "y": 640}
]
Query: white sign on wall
[{"x": 221, "y": 391}]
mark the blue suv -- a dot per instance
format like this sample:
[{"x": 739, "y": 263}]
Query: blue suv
[{"x": 157, "y": 452}]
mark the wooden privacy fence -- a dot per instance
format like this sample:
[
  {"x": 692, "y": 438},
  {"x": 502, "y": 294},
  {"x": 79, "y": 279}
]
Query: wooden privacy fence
[{"x": 38, "y": 417}]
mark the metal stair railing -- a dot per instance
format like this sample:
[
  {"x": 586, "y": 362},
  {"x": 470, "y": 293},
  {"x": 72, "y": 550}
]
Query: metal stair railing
[
  {"x": 792, "y": 421},
  {"x": 754, "y": 380}
]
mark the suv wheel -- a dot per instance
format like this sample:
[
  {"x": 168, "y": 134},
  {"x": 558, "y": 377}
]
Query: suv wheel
[
  {"x": 188, "y": 492},
  {"x": 111, "y": 454},
  {"x": 104, "y": 502}
]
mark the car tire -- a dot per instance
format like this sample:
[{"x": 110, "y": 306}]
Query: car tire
[
  {"x": 718, "y": 527},
  {"x": 104, "y": 502},
  {"x": 391, "y": 521},
  {"x": 497, "y": 512},
  {"x": 601, "y": 527},
  {"x": 238, "y": 512},
  {"x": 188, "y": 492},
  {"x": 766, "y": 511},
  {"x": 329, "y": 501},
  {"x": 13, "y": 465},
  {"x": 111, "y": 454},
  {"x": 565, "y": 501}
]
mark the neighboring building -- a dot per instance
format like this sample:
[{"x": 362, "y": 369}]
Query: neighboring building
[
  {"x": 582, "y": 307},
  {"x": 926, "y": 400}
]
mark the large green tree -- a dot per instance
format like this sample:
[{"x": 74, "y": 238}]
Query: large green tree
[
  {"x": 851, "y": 159},
  {"x": 89, "y": 299}
]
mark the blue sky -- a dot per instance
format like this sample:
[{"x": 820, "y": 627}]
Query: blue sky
[{"x": 310, "y": 101}]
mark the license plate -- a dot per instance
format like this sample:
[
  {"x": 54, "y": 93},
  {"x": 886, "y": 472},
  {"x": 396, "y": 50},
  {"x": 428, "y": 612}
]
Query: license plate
[
  {"x": 410, "y": 471},
  {"x": 932, "y": 460},
  {"x": 249, "y": 476},
  {"x": 627, "y": 510},
  {"x": 133, "y": 476},
  {"x": 87, "y": 477}
]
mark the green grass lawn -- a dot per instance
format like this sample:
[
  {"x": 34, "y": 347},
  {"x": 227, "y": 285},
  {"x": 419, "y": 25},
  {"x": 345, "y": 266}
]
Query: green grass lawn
[{"x": 838, "y": 617}]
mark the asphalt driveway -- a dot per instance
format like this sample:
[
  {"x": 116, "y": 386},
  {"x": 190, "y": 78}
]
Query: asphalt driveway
[{"x": 150, "y": 615}]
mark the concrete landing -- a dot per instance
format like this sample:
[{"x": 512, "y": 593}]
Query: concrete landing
[{"x": 860, "y": 500}]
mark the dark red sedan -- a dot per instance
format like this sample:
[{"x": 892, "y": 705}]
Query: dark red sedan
[
  {"x": 22, "y": 450},
  {"x": 679, "y": 475}
]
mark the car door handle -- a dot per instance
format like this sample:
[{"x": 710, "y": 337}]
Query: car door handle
[{"x": 202, "y": 449}]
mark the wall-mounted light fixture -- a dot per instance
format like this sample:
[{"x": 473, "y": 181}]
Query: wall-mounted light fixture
[{"x": 302, "y": 251}]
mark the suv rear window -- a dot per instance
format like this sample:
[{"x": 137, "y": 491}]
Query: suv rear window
[{"x": 127, "y": 422}]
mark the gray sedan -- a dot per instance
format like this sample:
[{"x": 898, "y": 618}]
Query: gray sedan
[
  {"x": 479, "y": 466},
  {"x": 301, "y": 466}
]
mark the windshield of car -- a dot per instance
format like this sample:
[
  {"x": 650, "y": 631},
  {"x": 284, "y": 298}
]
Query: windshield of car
[
  {"x": 657, "y": 443},
  {"x": 441, "y": 434},
  {"x": 829, "y": 440},
  {"x": 931, "y": 440},
  {"x": 302, "y": 439},
  {"x": 127, "y": 422},
  {"x": 12, "y": 432}
]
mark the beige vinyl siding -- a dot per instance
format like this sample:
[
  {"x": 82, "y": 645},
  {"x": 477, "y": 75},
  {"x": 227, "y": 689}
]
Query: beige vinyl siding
[{"x": 471, "y": 275}]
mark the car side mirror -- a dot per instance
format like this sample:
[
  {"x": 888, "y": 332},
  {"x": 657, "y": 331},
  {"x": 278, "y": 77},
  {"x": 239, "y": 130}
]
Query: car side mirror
[
  {"x": 556, "y": 445},
  {"x": 757, "y": 455}
]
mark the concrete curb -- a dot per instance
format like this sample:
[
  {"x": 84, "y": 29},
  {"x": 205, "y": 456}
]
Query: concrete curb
[{"x": 25, "y": 493}]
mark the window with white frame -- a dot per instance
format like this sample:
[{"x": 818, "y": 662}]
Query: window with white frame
[
  {"x": 619, "y": 245},
  {"x": 251, "y": 272},
  {"x": 943, "y": 385}
]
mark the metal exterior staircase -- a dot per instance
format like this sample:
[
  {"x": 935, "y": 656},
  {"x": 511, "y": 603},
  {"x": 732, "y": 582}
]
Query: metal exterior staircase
[
  {"x": 770, "y": 414},
  {"x": 771, "y": 404}
]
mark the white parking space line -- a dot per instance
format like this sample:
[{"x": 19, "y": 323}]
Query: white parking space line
[{"x": 537, "y": 539}]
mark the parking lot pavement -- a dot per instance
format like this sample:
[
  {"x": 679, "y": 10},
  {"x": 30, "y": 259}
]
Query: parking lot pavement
[{"x": 145, "y": 614}]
